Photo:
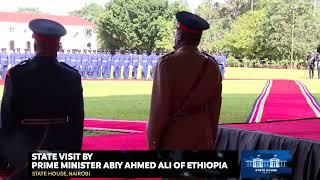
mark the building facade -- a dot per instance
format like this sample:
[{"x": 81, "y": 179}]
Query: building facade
[{"x": 15, "y": 33}]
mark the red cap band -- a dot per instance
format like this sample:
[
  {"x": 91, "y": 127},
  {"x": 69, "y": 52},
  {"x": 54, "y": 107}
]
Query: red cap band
[
  {"x": 183, "y": 27},
  {"x": 46, "y": 39}
]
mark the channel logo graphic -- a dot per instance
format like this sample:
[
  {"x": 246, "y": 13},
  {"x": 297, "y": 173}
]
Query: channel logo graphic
[{"x": 266, "y": 163}]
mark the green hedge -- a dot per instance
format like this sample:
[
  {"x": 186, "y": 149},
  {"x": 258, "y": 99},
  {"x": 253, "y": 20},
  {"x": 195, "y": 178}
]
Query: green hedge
[{"x": 266, "y": 63}]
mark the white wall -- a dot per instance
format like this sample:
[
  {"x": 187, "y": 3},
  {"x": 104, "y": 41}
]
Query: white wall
[{"x": 22, "y": 34}]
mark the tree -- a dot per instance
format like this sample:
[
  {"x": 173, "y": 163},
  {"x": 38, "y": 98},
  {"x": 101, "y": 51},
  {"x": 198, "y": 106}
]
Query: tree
[
  {"x": 28, "y": 10},
  {"x": 90, "y": 12},
  {"x": 290, "y": 29},
  {"x": 138, "y": 24},
  {"x": 241, "y": 40}
]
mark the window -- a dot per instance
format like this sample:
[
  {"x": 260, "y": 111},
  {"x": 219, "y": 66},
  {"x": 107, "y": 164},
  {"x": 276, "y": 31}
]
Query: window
[
  {"x": 28, "y": 45},
  {"x": 88, "y": 33},
  {"x": 89, "y": 45},
  {"x": 11, "y": 45},
  {"x": 11, "y": 29}
]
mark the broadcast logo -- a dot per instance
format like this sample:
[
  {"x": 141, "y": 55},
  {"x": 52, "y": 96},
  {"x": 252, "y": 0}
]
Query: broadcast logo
[{"x": 265, "y": 163}]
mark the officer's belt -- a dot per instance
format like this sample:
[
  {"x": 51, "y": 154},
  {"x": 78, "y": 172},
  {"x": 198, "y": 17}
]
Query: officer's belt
[
  {"x": 191, "y": 111},
  {"x": 44, "y": 121}
]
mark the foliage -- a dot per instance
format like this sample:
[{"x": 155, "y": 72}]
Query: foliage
[
  {"x": 242, "y": 37},
  {"x": 278, "y": 30},
  {"x": 90, "y": 12},
  {"x": 139, "y": 24}
]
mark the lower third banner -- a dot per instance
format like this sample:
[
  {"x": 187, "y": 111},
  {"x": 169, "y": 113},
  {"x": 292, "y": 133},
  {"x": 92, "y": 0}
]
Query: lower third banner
[{"x": 134, "y": 164}]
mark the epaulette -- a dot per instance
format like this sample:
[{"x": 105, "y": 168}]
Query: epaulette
[
  {"x": 22, "y": 63},
  {"x": 212, "y": 58},
  {"x": 68, "y": 66},
  {"x": 168, "y": 54}
]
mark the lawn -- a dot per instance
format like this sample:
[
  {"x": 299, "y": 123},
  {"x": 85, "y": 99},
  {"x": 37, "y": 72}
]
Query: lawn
[{"x": 130, "y": 100}]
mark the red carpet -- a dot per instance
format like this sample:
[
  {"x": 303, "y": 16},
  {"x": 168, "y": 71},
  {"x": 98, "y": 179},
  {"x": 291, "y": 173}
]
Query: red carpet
[{"x": 286, "y": 100}]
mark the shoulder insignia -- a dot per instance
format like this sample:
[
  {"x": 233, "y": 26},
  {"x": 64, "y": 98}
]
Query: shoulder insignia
[
  {"x": 17, "y": 66},
  {"x": 169, "y": 54},
  {"x": 23, "y": 62},
  {"x": 212, "y": 58}
]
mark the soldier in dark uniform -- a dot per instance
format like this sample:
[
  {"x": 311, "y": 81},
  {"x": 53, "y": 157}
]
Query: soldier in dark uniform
[
  {"x": 311, "y": 64},
  {"x": 317, "y": 59},
  {"x": 42, "y": 104},
  {"x": 186, "y": 94}
]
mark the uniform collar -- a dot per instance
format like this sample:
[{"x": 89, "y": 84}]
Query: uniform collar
[
  {"x": 188, "y": 48},
  {"x": 45, "y": 59}
]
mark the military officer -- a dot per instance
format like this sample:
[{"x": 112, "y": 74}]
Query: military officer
[
  {"x": 317, "y": 59},
  {"x": 126, "y": 64},
  {"x": 37, "y": 113},
  {"x": 116, "y": 62},
  {"x": 153, "y": 62},
  {"x": 311, "y": 64},
  {"x": 4, "y": 62},
  {"x": 186, "y": 94},
  {"x": 145, "y": 64},
  {"x": 135, "y": 64}
]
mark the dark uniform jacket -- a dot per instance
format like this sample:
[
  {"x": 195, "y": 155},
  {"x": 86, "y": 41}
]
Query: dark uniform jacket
[
  {"x": 175, "y": 74},
  {"x": 42, "y": 108}
]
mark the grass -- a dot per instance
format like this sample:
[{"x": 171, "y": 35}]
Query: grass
[
  {"x": 131, "y": 99},
  {"x": 259, "y": 73},
  {"x": 114, "y": 100},
  {"x": 98, "y": 133}
]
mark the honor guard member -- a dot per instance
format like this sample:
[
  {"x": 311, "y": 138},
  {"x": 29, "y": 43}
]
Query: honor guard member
[
  {"x": 144, "y": 64},
  {"x": 223, "y": 62},
  {"x": 85, "y": 63},
  {"x": 19, "y": 57},
  {"x": 4, "y": 62},
  {"x": 153, "y": 61},
  {"x": 311, "y": 64},
  {"x": 79, "y": 59},
  {"x": 126, "y": 64},
  {"x": 106, "y": 65},
  {"x": 30, "y": 54},
  {"x": 25, "y": 54},
  {"x": 12, "y": 58},
  {"x": 42, "y": 104},
  {"x": 94, "y": 64},
  {"x": 116, "y": 62},
  {"x": 73, "y": 59},
  {"x": 101, "y": 53},
  {"x": 61, "y": 56},
  {"x": 186, "y": 95},
  {"x": 135, "y": 64},
  {"x": 68, "y": 57}
]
